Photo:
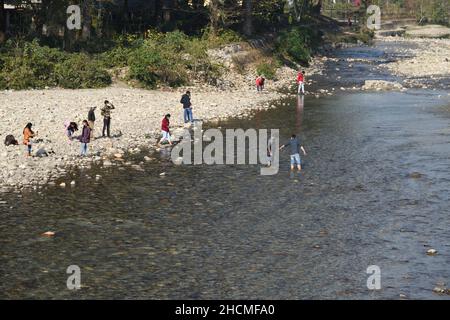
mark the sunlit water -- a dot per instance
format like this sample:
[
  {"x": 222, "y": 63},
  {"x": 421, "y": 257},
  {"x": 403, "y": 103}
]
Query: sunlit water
[{"x": 206, "y": 232}]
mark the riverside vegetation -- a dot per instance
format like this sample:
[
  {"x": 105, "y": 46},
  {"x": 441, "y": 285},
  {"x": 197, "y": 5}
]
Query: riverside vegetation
[{"x": 160, "y": 59}]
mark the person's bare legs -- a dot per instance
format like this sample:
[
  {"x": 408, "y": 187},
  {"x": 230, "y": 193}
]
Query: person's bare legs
[{"x": 299, "y": 167}]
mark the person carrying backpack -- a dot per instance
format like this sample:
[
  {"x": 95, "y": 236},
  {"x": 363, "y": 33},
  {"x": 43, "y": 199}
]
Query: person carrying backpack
[{"x": 11, "y": 141}]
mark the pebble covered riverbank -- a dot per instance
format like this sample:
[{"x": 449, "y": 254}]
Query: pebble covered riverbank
[{"x": 135, "y": 124}]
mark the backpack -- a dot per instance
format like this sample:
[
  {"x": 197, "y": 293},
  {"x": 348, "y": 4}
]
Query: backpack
[{"x": 10, "y": 140}]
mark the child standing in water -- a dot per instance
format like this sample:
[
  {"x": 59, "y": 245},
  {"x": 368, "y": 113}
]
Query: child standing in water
[{"x": 28, "y": 133}]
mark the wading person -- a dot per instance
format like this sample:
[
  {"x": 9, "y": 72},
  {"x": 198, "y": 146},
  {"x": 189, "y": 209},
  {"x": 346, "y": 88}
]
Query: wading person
[
  {"x": 28, "y": 133},
  {"x": 301, "y": 82},
  {"x": 91, "y": 120},
  {"x": 187, "y": 106},
  {"x": 85, "y": 138},
  {"x": 165, "y": 131},
  {"x": 295, "y": 146},
  {"x": 106, "y": 113}
]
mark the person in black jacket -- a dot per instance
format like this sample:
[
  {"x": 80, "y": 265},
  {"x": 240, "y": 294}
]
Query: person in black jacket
[
  {"x": 91, "y": 120},
  {"x": 187, "y": 106}
]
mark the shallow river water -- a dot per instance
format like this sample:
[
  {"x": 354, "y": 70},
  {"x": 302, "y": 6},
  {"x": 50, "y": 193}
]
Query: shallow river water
[{"x": 374, "y": 191}]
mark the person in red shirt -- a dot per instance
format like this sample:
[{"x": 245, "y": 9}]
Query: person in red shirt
[
  {"x": 301, "y": 82},
  {"x": 258, "y": 84},
  {"x": 165, "y": 130}
]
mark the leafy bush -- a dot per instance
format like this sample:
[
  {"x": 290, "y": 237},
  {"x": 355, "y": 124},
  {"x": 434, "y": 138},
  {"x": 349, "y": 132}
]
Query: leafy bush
[
  {"x": 79, "y": 71},
  {"x": 3, "y": 83},
  {"x": 198, "y": 63},
  {"x": 162, "y": 58},
  {"x": 18, "y": 74},
  {"x": 152, "y": 64},
  {"x": 268, "y": 69},
  {"x": 169, "y": 59},
  {"x": 294, "y": 44},
  {"x": 439, "y": 13},
  {"x": 116, "y": 58},
  {"x": 29, "y": 65},
  {"x": 221, "y": 38}
]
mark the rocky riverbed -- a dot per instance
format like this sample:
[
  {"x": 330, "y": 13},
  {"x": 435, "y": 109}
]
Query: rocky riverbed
[
  {"x": 135, "y": 125},
  {"x": 427, "y": 59},
  {"x": 136, "y": 120}
]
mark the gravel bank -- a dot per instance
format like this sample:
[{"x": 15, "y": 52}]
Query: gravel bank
[
  {"x": 428, "y": 61},
  {"x": 135, "y": 122}
]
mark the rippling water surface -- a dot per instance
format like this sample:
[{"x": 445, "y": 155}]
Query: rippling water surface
[{"x": 204, "y": 232}]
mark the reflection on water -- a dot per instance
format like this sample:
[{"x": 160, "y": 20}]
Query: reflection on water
[
  {"x": 299, "y": 113},
  {"x": 227, "y": 232}
]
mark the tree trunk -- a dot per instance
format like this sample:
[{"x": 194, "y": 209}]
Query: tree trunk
[
  {"x": 248, "y": 17},
  {"x": 214, "y": 15},
  {"x": 198, "y": 4},
  {"x": 126, "y": 16},
  {"x": 2, "y": 21},
  {"x": 87, "y": 20},
  {"x": 167, "y": 10}
]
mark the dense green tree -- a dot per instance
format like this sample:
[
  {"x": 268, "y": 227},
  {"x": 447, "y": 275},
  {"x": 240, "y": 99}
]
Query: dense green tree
[
  {"x": 102, "y": 19},
  {"x": 2, "y": 21}
]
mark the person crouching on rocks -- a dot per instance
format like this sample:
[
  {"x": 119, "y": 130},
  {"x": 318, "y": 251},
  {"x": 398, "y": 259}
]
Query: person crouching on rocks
[
  {"x": 260, "y": 83},
  {"x": 85, "y": 138},
  {"x": 28, "y": 133},
  {"x": 165, "y": 130},
  {"x": 71, "y": 127}
]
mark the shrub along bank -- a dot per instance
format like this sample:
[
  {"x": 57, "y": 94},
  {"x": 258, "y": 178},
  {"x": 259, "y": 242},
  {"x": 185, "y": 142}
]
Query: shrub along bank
[{"x": 168, "y": 59}]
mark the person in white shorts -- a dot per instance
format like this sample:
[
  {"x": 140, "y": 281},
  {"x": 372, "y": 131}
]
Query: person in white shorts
[
  {"x": 165, "y": 131},
  {"x": 301, "y": 82}
]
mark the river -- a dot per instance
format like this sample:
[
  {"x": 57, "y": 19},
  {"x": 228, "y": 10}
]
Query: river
[{"x": 374, "y": 191}]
